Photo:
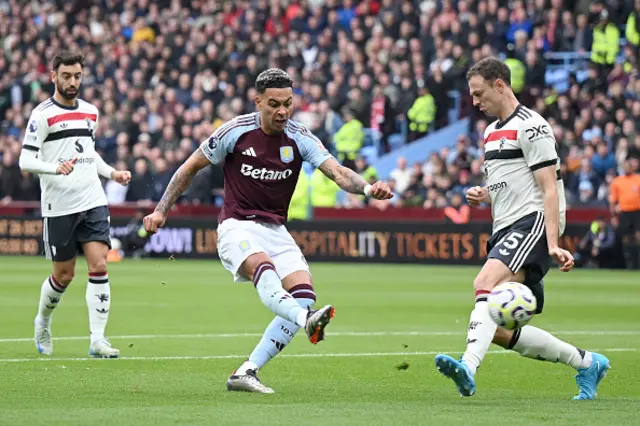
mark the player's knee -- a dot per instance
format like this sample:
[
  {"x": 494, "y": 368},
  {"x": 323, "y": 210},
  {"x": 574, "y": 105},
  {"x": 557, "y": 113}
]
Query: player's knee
[
  {"x": 64, "y": 275},
  {"x": 249, "y": 266},
  {"x": 483, "y": 283},
  {"x": 98, "y": 265}
]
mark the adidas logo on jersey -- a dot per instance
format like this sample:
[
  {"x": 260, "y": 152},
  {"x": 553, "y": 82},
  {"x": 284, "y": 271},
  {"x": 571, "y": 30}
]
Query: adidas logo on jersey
[
  {"x": 264, "y": 174},
  {"x": 250, "y": 152}
]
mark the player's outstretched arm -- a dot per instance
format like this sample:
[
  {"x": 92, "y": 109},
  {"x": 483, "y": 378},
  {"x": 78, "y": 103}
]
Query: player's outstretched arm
[
  {"x": 179, "y": 183},
  {"x": 547, "y": 181},
  {"x": 350, "y": 181}
]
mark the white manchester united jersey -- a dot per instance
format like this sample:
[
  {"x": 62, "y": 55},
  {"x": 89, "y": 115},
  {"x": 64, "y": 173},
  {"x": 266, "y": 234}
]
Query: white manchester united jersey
[
  {"x": 59, "y": 133},
  {"x": 514, "y": 150}
]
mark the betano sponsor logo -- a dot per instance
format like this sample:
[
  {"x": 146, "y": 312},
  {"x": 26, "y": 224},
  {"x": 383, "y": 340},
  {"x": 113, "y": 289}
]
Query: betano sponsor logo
[{"x": 264, "y": 174}]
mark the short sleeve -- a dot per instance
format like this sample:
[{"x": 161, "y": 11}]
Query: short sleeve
[
  {"x": 311, "y": 148},
  {"x": 222, "y": 141},
  {"x": 538, "y": 145},
  {"x": 36, "y": 132}
]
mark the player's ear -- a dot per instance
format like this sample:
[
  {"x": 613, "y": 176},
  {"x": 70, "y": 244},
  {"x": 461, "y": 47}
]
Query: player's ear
[
  {"x": 53, "y": 76},
  {"x": 258, "y": 100}
]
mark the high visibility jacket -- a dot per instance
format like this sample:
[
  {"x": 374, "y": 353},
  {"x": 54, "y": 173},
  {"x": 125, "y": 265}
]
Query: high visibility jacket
[
  {"x": 299, "y": 207},
  {"x": 606, "y": 44},
  {"x": 422, "y": 114},
  {"x": 518, "y": 74},
  {"x": 324, "y": 192},
  {"x": 348, "y": 140},
  {"x": 631, "y": 31}
]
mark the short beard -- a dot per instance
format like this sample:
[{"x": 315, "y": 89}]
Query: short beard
[{"x": 65, "y": 95}]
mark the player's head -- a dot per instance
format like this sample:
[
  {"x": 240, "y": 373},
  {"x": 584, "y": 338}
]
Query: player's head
[
  {"x": 489, "y": 84},
  {"x": 628, "y": 166},
  {"x": 66, "y": 73},
  {"x": 274, "y": 99}
]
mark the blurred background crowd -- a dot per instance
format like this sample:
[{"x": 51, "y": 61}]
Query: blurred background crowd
[{"x": 371, "y": 77}]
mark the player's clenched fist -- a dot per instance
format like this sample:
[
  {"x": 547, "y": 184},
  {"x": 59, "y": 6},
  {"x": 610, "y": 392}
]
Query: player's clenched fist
[
  {"x": 66, "y": 167},
  {"x": 153, "y": 221},
  {"x": 477, "y": 195},
  {"x": 380, "y": 191},
  {"x": 123, "y": 177}
]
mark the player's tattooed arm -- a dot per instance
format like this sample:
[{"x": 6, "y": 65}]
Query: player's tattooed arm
[
  {"x": 181, "y": 180},
  {"x": 345, "y": 178}
]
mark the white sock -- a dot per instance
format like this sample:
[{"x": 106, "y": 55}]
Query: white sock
[
  {"x": 98, "y": 298},
  {"x": 279, "y": 333},
  {"x": 246, "y": 366},
  {"x": 50, "y": 294},
  {"x": 480, "y": 334},
  {"x": 276, "y": 298},
  {"x": 535, "y": 343}
]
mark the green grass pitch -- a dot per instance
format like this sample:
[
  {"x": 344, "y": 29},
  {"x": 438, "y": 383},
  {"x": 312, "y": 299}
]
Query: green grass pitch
[{"x": 183, "y": 327}]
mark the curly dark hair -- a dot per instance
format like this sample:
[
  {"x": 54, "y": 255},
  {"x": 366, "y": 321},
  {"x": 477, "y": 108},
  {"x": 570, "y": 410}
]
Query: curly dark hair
[
  {"x": 67, "y": 57},
  {"x": 491, "y": 69},
  {"x": 273, "y": 78}
]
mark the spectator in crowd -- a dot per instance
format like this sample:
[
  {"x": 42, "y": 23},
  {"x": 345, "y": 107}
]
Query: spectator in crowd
[
  {"x": 299, "y": 209},
  {"x": 598, "y": 248},
  {"x": 422, "y": 114},
  {"x": 457, "y": 212},
  {"x": 10, "y": 179},
  {"x": 401, "y": 175},
  {"x": 606, "y": 42},
  {"x": 348, "y": 140}
]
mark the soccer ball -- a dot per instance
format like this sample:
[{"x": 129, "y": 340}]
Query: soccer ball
[{"x": 511, "y": 305}]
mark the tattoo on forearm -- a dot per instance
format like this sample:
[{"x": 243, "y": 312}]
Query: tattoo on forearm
[
  {"x": 350, "y": 181},
  {"x": 178, "y": 184}
]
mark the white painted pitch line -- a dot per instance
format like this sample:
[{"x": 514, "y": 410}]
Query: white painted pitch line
[
  {"x": 244, "y": 356},
  {"x": 335, "y": 334}
]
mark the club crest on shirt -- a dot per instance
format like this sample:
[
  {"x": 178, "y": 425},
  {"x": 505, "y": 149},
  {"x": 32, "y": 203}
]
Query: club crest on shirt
[
  {"x": 244, "y": 245},
  {"x": 286, "y": 154},
  {"x": 503, "y": 140}
]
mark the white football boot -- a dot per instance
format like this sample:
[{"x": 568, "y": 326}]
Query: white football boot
[
  {"x": 42, "y": 338},
  {"x": 102, "y": 349},
  {"x": 247, "y": 382}
]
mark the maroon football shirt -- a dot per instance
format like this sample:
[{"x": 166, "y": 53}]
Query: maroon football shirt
[{"x": 260, "y": 170}]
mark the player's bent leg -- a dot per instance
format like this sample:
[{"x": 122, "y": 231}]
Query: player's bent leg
[
  {"x": 276, "y": 337},
  {"x": 262, "y": 271},
  {"x": 98, "y": 298},
  {"x": 535, "y": 343},
  {"x": 481, "y": 330},
  {"x": 51, "y": 293},
  {"x": 281, "y": 331}
]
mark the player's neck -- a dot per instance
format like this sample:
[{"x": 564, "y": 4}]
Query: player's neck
[
  {"x": 510, "y": 105},
  {"x": 59, "y": 99},
  {"x": 269, "y": 132}
]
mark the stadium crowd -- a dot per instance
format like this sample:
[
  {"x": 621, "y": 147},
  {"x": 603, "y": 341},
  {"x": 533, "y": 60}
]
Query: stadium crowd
[{"x": 166, "y": 73}]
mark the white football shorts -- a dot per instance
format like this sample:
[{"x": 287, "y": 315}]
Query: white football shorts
[{"x": 239, "y": 239}]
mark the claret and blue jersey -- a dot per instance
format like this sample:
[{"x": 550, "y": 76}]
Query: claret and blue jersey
[{"x": 261, "y": 170}]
